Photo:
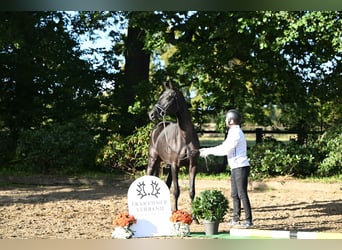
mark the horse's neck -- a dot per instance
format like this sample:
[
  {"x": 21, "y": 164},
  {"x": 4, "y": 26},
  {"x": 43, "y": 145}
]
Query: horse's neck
[
  {"x": 184, "y": 120},
  {"x": 187, "y": 130}
]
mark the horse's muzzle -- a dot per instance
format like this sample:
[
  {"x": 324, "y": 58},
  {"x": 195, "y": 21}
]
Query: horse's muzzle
[{"x": 153, "y": 115}]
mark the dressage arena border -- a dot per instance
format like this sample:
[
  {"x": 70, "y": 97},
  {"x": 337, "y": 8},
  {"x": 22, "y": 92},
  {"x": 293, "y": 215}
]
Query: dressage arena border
[
  {"x": 283, "y": 234},
  {"x": 46, "y": 180}
]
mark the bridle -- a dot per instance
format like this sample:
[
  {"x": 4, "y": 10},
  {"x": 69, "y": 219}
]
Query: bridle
[{"x": 162, "y": 111}]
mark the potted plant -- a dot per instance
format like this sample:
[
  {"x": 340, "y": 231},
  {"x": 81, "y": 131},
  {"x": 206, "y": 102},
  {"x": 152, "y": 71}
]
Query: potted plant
[
  {"x": 210, "y": 206},
  {"x": 122, "y": 223}
]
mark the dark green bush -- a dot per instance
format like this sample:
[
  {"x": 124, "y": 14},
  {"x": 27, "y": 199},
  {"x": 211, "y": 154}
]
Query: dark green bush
[
  {"x": 7, "y": 148},
  {"x": 128, "y": 154},
  {"x": 330, "y": 145},
  {"x": 55, "y": 149},
  {"x": 273, "y": 158}
]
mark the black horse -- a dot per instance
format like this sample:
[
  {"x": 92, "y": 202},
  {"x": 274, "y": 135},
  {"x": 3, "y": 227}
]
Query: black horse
[{"x": 176, "y": 144}]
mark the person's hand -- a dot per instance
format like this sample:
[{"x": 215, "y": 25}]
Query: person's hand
[{"x": 204, "y": 152}]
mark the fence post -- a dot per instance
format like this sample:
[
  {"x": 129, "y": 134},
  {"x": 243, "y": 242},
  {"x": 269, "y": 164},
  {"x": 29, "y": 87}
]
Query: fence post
[{"x": 258, "y": 135}]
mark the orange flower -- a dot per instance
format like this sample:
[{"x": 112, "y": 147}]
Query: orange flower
[
  {"x": 124, "y": 219},
  {"x": 181, "y": 216}
]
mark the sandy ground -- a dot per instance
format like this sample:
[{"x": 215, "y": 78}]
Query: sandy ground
[{"x": 73, "y": 210}]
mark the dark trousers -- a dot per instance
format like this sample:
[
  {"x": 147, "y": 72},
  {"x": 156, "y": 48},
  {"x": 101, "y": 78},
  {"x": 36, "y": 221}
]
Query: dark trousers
[{"x": 239, "y": 183}]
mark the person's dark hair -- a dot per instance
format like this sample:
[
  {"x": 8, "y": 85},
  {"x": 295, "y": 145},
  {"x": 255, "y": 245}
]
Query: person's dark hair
[{"x": 233, "y": 115}]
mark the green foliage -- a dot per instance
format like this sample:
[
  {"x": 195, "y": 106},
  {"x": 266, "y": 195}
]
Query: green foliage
[
  {"x": 7, "y": 147},
  {"x": 273, "y": 158},
  {"x": 249, "y": 60},
  {"x": 128, "y": 154},
  {"x": 43, "y": 77},
  {"x": 331, "y": 148},
  {"x": 56, "y": 149},
  {"x": 210, "y": 205}
]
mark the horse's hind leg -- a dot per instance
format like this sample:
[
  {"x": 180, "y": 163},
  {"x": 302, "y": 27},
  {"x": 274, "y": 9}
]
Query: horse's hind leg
[{"x": 169, "y": 177}]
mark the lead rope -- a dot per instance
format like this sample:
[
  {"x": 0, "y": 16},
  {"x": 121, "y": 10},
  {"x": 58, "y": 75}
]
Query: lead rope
[{"x": 206, "y": 162}]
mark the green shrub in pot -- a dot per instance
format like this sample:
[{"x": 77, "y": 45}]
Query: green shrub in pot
[{"x": 210, "y": 205}]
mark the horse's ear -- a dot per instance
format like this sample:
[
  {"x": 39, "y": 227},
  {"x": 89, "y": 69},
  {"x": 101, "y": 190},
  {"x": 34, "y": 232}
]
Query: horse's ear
[{"x": 168, "y": 85}]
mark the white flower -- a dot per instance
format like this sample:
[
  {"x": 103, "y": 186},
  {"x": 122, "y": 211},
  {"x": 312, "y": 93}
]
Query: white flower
[
  {"x": 122, "y": 233},
  {"x": 180, "y": 229}
]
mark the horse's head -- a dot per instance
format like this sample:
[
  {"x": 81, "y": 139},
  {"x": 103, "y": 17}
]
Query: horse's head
[{"x": 167, "y": 103}]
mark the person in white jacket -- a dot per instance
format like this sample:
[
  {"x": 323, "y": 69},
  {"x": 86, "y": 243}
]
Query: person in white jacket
[{"x": 235, "y": 148}]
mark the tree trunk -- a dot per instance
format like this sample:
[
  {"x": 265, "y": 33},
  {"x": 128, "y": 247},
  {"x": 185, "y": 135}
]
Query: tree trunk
[{"x": 136, "y": 72}]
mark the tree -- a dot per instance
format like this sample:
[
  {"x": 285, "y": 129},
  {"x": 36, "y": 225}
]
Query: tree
[
  {"x": 129, "y": 77},
  {"x": 43, "y": 78},
  {"x": 255, "y": 61},
  {"x": 136, "y": 73}
]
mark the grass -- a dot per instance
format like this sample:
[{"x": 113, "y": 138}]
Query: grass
[
  {"x": 210, "y": 142},
  {"x": 182, "y": 175},
  {"x": 225, "y": 176},
  {"x": 203, "y": 176},
  {"x": 328, "y": 180}
]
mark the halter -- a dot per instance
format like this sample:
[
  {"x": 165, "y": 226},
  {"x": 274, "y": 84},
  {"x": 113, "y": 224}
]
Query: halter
[{"x": 162, "y": 111}]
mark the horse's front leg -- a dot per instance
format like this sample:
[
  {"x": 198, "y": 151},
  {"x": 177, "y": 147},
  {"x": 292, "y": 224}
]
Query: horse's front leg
[
  {"x": 176, "y": 191},
  {"x": 192, "y": 176},
  {"x": 153, "y": 165}
]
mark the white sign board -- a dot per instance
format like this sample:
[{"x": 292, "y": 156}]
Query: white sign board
[{"x": 149, "y": 202}]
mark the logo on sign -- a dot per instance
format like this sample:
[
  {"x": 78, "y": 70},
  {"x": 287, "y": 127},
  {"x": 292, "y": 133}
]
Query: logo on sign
[{"x": 142, "y": 192}]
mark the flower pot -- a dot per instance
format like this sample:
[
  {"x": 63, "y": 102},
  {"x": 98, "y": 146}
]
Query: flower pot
[
  {"x": 211, "y": 227},
  {"x": 180, "y": 229}
]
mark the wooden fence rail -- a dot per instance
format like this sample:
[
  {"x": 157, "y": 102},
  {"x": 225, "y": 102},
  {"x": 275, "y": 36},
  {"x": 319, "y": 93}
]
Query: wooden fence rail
[{"x": 259, "y": 133}]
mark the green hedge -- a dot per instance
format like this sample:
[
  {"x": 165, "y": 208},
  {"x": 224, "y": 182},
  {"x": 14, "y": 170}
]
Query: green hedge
[
  {"x": 273, "y": 158},
  {"x": 330, "y": 145},
  {"x": 55, "y": 149},
  {"x": 322, "y": 157},
  {"x": 270, "y": 158},
  {"x": 71, "y": 148}
]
